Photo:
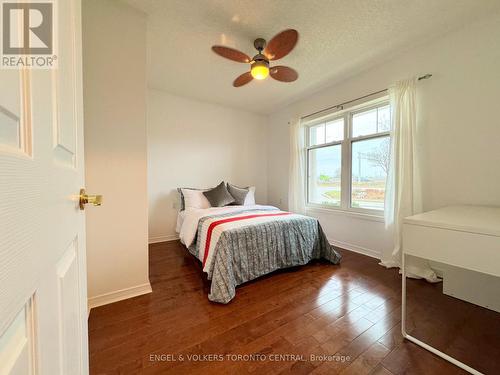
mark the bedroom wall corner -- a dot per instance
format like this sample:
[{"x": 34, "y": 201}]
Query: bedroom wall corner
[
  {"x": 114, "y": 72},
  {"x": 197, "y": 144}
]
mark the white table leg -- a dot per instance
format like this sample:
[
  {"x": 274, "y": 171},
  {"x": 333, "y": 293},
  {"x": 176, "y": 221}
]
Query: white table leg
[{"x": 417, "y": 341}]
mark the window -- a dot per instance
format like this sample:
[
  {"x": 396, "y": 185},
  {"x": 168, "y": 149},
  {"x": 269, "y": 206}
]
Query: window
[
  {"x": 325, "y": 169},
  {"x": 348, "y": 158}
]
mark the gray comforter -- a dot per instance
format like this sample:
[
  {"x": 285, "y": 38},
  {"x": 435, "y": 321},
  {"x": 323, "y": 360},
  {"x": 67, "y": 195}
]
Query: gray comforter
[{"x": 243, "y": 254}]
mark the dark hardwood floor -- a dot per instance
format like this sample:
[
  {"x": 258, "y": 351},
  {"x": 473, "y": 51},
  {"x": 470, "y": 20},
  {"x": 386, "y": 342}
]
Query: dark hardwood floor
[{"x": 351, "y": 311}]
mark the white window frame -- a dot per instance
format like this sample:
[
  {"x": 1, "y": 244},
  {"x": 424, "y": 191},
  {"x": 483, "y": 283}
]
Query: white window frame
[{"x": 346, "y": 164}]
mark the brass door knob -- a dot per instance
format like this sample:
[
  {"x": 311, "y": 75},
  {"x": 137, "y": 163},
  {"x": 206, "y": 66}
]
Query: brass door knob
[{"x": 95, "y": 200}]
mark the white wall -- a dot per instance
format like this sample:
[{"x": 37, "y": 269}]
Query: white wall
[
  {"x": 114, "y": 67},
  {"x": 458, "y": 120},
  {"x": 197, "y": 144}
]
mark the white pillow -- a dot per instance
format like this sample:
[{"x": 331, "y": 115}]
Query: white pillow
[
  {"x": 195, "y": 199},
  {"x": 250, "y": 198}
]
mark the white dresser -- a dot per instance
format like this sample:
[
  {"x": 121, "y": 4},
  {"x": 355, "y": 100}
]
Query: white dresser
[{"x": 467, "y": 240}]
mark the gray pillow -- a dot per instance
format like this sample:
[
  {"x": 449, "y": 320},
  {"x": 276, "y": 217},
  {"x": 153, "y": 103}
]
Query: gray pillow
[
  {"x": 239, "y": 194},
  {"x": 219, "y": 196}
]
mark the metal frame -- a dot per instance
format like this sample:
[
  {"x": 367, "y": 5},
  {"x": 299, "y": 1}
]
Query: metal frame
[
  {"x": 417, "y": 341},
  {"x": 346, "y": 152}
]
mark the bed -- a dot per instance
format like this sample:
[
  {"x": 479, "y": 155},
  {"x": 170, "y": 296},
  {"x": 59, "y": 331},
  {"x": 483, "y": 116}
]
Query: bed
[{"x": 236, "y": 244}]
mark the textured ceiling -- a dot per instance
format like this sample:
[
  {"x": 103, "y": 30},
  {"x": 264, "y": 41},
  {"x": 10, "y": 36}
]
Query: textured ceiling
[{"x": 337, "y": 38}]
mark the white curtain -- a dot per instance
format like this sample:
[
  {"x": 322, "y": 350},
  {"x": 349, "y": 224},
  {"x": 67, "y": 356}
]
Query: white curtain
[
  {"x": 403, "y": 190},
  {"x": 297, "y": 175}
]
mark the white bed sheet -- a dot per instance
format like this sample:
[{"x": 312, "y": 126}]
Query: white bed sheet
[
  {"x": 180, "y": 220},
  {"x": 187, "y": 223}
]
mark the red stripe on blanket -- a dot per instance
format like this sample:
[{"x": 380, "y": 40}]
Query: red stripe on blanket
[{"x": 223, "y": 221}]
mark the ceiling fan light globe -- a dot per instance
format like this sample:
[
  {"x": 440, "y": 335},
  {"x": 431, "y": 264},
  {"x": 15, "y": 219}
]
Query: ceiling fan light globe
[{"x": 259, "y": 70}]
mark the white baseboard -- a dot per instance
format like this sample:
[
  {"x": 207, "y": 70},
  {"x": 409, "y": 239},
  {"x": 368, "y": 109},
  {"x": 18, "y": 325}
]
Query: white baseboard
[
  {"x": 168, "y": 237},
  {"x": 119, "y": 295},
  {"x": 355, "y": 248}
]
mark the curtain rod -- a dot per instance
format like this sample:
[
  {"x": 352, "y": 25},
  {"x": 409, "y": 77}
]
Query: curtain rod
[{"x": 426, "y": 76}]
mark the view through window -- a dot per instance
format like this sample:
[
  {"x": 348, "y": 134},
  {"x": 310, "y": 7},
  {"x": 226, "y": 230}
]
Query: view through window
[{"x": 348, "y": 159}]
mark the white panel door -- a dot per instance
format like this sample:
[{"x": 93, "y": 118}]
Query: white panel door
[{"x": 43, "y": 302}]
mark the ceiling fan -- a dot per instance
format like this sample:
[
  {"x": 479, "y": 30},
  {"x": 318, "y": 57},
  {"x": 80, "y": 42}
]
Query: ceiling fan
[{"x": 278, "y": 47}]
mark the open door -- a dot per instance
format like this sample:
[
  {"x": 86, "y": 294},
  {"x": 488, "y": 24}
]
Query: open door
[{"x": 43, "y": 298}]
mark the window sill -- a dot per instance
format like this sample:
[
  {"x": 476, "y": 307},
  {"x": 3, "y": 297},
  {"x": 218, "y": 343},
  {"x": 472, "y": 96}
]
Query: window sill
[{"x": 348, "y": 213}]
